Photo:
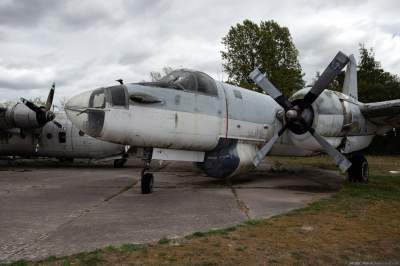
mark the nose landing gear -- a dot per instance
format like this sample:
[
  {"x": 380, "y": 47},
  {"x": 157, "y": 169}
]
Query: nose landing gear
[{"x": 147, "y": 179}]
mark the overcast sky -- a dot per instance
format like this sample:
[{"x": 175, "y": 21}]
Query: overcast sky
[{"x": 86, "y": 44}]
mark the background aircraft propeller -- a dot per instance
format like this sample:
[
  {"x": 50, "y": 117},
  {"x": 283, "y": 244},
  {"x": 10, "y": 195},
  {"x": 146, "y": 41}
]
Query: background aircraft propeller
[
  {"x": 299, "y": 114},
  {"x": 43, "y": 113}
]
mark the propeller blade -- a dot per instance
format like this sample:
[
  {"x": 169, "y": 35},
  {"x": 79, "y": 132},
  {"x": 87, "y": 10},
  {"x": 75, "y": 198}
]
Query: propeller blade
[
  {"x": 32, "y": 106},
  {"x": 267, "y": 147},
  {"x": 50, "y": 97},
  {"x": 340, "y": 160},
  {"x": 329, "y": 74},
  {"x": 263, "y": 83}
]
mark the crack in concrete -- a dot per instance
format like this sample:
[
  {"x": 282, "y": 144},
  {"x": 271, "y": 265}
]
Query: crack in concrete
[
  {"x": 240, "y": 203},
  {"x": 124, "y": 189}
]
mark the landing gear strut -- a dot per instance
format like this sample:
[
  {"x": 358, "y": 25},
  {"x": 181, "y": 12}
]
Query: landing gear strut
[
  {"x": 359, "y": 170},
  {"x": 147, "y": 179}
]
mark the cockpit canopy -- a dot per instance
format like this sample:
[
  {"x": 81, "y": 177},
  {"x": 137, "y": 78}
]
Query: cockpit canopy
[{"x": 187, "y": 80}]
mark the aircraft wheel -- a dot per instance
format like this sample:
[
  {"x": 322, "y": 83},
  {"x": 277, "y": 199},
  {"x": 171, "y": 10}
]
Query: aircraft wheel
[
  {"x": 119, "y": 163},
  {"x": 359, "y": 170},
  {"x": 147, "y": 183}
]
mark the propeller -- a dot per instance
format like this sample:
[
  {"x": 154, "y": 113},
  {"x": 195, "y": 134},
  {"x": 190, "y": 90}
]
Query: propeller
[
  {"x": 299, "y": 114},
  {"x": 43, "y": 113}
]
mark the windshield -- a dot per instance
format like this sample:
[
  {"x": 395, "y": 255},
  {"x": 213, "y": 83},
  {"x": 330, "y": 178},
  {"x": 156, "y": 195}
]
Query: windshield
[{"x": 186, "y": 80}]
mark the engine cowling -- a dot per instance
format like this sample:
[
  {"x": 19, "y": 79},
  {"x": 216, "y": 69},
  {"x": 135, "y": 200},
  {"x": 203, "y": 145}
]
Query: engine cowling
[
  {"x": 230, "y": 157},
  {"x": 335, "y": 116},
  {"x": 19, "y": 116}
]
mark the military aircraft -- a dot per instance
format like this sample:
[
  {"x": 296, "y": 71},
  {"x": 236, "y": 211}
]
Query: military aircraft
[
  {"x": 229, "y": 130},
  {"x": 27, "y": 130}
]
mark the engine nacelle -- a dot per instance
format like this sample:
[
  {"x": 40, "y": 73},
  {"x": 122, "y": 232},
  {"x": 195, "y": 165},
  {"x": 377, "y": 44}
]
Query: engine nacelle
[
  {"x": 230, "y": 157},
  {"x": 19, "y": 116},
  {"x": 338, "y": 118}
]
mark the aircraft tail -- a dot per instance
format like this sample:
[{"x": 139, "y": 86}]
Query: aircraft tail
[{"x": 350, "y": 80}]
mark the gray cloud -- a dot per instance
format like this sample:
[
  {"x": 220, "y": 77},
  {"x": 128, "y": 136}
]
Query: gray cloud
[
  {"x": 85, "y": 44},
  {"x": 25, "y": 13}
]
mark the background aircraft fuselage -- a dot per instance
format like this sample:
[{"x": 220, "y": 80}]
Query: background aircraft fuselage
[{"x": 65, "y": 142}]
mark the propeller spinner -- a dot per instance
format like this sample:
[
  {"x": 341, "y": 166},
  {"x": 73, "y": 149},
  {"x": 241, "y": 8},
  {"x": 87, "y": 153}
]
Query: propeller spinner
[{"x": 299, "y": 114}]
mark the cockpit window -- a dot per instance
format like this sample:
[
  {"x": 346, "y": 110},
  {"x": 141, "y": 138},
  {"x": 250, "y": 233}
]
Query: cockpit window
[
  {"x": 206, "y": 85},
  {"x": 186, "y": 80},
  {"x": 97, "y": 99},
  {"x": 181, "y": 79},
  {"x": 118, "y": 97}
]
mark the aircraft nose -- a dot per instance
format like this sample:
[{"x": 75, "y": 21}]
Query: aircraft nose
[
  {"x": 86, "y": 111},
  {"x": 75, "y": 108}
]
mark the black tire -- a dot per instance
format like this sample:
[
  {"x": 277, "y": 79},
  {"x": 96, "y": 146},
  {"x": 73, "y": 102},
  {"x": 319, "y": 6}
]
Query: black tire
[
  {"x": 359, "y": 169},
  {"x": 147, "y": 183},
  {"x": 119, "y": 163}
]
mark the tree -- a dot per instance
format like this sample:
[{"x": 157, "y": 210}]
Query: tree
[
  {"x": 38, "y": 101},
  {"x": 374, "y": 83},
  {"x": 267, "y": 46},
  {"x": 155, "y": 75}
]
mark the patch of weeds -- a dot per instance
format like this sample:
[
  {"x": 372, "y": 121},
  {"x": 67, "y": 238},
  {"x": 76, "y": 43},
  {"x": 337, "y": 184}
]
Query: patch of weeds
[
  {"x": 51, "y": 258},
  {"x": 223, "y": 231},
  {"x": 199, "y": 234},
  {"x": 145, "y": 251},
  {"x": 252, "y": 222},
  {"x": 19, "y": 263},
  {"x": 387, "y": 188},
  {"x": 297, "y": 255},
  {"x": 172, "y": 259},
  {"x": 66, "y": 262},
  {"x": 162, "y": 254},
  {"x": 208, "y": 263},
  {"x": 110, "y": 248},
  {"x": 129, "y": 247},
  {"x": 89, "y": 259},
  {"x": 164, "y": 241},
  {"x": 241, "y": 248},
  {"x": 315, "y": 206}
]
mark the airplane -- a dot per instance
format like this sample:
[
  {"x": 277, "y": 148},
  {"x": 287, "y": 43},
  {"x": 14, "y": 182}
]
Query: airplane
[
  {"x": 27, "y": 130},
  {"x": 228, "y": 130}
]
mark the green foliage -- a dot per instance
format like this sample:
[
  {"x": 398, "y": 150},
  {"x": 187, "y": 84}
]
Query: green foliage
[
  {"x": 252, "y": 222},
  {"x": 163, "y": 241},
  {"x": 267, "y": 46},
  {"x": 18, "y": 263},
  {"x": 110, "y": 248},
  {"x": 374, "y": 83},
  {"x": 89, "y": 258},
  {"x": 129, "y": 247}
]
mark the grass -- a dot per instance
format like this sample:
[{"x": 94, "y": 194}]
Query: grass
[
  {"x": 127, "y": 248},
  {"x": 360, "y": 224}
]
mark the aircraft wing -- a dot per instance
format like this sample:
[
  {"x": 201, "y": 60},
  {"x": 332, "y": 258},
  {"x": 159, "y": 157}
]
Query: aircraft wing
[{"x": 383, "y": 114}]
